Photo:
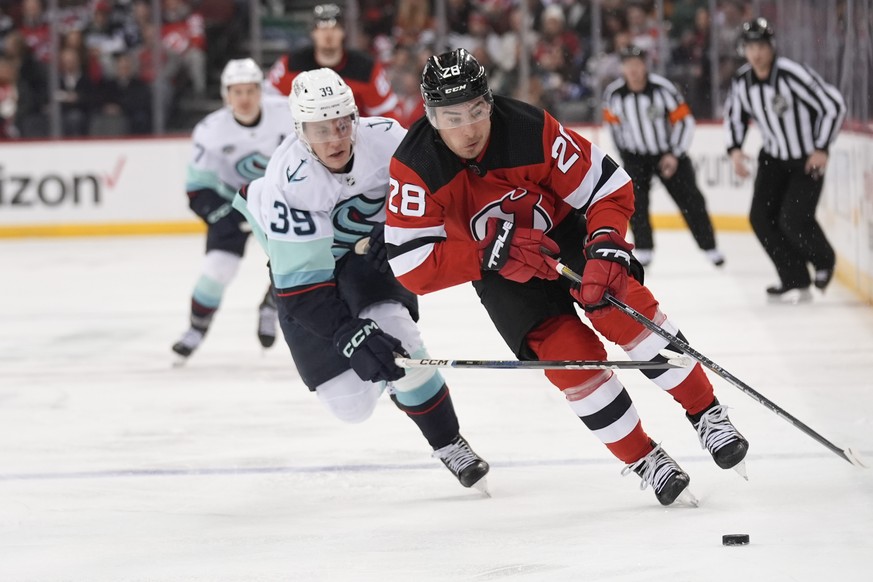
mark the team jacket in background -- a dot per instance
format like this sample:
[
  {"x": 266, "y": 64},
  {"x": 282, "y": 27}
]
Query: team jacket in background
[
  {"x": 796, "y": 111},
  {"x": 533, "y": 172},
  {"x": 364, "y": 76},
  {"x": 655, "y": 121}
]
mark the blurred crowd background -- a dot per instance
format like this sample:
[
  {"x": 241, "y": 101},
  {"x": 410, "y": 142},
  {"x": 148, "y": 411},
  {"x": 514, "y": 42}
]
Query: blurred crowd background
[{"x": 72, "y": 68}]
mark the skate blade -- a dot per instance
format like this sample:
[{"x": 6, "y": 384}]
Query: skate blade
[
  {"x": 687, "y": 498},
  {"x": 740, "y": 468},
  {"x": 179, "y": 361},
  {"x": 792, "y": 297},
  {"x": 482, "y": 487}
]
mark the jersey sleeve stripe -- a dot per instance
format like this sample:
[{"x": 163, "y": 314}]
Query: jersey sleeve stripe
[
  {"x": 603, "y": 178},
  {"x": 409, "y": 258}
]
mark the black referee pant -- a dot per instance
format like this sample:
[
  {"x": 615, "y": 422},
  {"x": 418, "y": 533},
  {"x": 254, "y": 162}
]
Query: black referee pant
[
  {"x": 783, "y": 218},
  {"x": 682, "y": 187}
]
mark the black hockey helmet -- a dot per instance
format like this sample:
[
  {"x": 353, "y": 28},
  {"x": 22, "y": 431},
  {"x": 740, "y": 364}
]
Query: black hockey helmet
[
  {"x": 453, "y": 77},
  {"x": 327, "y": 15},
  {"x": 758, "y": 30},
  {"x": 633, "y": 52}
]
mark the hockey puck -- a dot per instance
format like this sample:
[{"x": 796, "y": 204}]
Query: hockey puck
[{"x": 735, "y": 539}]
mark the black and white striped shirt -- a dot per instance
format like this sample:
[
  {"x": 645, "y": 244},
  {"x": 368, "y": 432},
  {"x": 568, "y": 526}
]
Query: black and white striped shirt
[
  {"x": 796, "y": 111},
  {"x": 655, "y": 121}
]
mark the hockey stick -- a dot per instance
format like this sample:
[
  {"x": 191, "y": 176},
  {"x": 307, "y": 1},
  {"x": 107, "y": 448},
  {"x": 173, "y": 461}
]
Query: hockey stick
[
  {"x": 676, "y": 362},
  {"x": 848, "y": 454}
]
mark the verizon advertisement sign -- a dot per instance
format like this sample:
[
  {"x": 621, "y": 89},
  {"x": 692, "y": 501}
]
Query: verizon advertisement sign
[{"x": 93, "y": 182}]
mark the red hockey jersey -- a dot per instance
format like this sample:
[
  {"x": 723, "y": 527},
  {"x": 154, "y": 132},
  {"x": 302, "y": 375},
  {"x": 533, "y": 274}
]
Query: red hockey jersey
[
  {"x": 533, "y": 172},
  {"x": 364, "y": 76}
]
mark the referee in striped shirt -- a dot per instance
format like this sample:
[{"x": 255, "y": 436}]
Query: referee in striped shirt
[
  {"x": 799, "y": 116},
  {"x": 652, "y": 127}
]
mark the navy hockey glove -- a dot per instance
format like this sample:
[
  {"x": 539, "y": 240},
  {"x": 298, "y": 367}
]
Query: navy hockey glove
[
  {"x": 377, "y": 254},
  {"x": 516, "y": 253},
  {"x": 607, "y": 267},
  {"x": 370, "y": 350}
]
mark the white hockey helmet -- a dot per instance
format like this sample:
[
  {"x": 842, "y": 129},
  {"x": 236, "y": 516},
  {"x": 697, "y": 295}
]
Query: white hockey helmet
[
  {"x": 240, "y": 72},
  {"x": 321, "y": 95}
]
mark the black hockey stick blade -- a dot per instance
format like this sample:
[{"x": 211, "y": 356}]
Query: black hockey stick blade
[
  {"x": 847, "y": 454},
  {"x": 673, "y": 362}
]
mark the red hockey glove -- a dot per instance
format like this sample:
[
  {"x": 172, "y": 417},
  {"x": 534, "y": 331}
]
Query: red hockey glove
[
  {"x": 516, "y": 253},
  {"x": 607, "y": 267}
]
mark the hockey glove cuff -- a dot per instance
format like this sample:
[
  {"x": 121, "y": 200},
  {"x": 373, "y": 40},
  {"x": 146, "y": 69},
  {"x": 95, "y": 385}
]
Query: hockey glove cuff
[
  {"x": 607, "y": 267},
  {"x": 370, "y": 350},
  {"x": 518, "y": 254}
]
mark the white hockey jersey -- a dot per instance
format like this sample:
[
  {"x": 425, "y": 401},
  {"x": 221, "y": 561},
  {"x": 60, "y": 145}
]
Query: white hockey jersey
[
  {"x": 227, "y": 155},
  {"x": 306, "y": 217}
]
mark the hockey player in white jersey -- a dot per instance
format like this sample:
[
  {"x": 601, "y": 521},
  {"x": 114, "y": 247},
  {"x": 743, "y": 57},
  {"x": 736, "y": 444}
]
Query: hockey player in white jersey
[
  {"x": 231, "y": 148},
  {"x": 344, "y": 315}
]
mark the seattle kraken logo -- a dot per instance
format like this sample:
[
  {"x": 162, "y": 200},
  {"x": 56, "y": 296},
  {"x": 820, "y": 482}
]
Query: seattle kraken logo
[
  {"x": 252, "y": 166},
  {"x": 352, "y": 220}
]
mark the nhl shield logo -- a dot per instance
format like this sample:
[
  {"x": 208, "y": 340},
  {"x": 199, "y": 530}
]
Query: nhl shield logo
[
  {"x": 779, "y": 104},
  {"x": 654, "y": 112}
]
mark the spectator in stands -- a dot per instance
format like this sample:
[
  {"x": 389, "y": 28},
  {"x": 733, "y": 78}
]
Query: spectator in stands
[
  {"x": 643, "y": 29},
  {"x": 32, "y": 87},
  {"x": 89, "y": 57},
  {"x": 557, "y": 57},
  {"x": 7, "y": 25},
  {"x": 365, "y": 76},
  {"x": 504, "y": 51},
  {"x": 102, "y": 38},
  {"x": 35, "y": 30},
  {"x": 8, "y": 98},
  {"x": 75, "y": 93},
  {"x": 412, "y": 20},
  {"x": 127, "y": 96},
  {"x": 729, "y": 21},
  {"x": 184, "y": 40}
]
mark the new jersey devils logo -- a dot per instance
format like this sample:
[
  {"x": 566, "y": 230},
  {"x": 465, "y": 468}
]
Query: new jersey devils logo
[{"x": 518, "y": 206}]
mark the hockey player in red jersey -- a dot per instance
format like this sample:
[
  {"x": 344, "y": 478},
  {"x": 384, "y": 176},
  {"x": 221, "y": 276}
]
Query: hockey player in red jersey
[
  {"x": 480, "y": 189},
  {"x": 361, "y": 72}
]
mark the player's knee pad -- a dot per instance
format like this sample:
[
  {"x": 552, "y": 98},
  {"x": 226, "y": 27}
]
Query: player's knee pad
[
  {"x": 419, "y": 384},
  {"x": 566, "y": 338},
  {"x": 220, "y": 266},
  {"x": 395, "y": 320},
  {"x": 349, "y": 398}
]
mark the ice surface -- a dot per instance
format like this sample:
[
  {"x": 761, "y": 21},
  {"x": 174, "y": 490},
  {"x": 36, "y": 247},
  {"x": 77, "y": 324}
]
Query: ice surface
[{"x": 115, "y": 466}]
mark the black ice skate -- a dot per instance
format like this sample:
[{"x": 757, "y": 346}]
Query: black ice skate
[
  {"x": 464, "y": 463},
  {"x": 718, "y": 436},
  {"x": 189, "y": 342},
  {"x": 268, "y": 319},
  {"x": 665, "y": 476}
]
